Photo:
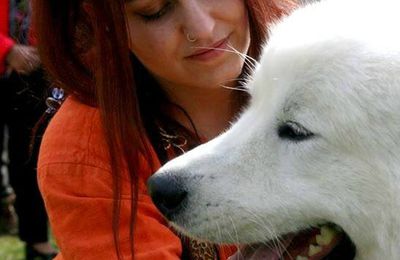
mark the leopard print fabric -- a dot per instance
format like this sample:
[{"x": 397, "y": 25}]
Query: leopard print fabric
[{"x": 201, "y": 250}]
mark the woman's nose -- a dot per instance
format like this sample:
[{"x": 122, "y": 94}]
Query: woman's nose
[{"x": 198, "y": 20}]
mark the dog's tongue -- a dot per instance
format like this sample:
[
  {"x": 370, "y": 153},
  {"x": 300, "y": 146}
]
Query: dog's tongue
[{"x": 313, "y": 244}]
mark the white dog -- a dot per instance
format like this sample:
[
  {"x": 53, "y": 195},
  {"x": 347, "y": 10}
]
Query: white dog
[{"x": 317, "y": 147}]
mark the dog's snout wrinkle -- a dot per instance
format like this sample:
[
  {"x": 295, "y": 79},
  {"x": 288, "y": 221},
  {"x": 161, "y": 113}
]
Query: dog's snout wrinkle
[{"x": 167, "y": 193}]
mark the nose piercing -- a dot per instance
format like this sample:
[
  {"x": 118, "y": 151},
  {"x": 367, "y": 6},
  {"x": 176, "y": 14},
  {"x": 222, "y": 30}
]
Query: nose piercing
[{"x": 190, "y": 38}]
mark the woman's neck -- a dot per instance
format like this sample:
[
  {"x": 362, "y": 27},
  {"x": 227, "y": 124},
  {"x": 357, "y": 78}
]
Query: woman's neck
[{"x": 210, "y": 109}]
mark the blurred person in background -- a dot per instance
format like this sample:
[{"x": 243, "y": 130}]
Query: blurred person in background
[
  {"x": 8, "y": 217},
  {"x": 22, "y": 89}
]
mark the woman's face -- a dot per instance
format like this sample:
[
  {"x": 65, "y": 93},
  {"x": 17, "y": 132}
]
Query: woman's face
[{"x": 166, "y": 36}]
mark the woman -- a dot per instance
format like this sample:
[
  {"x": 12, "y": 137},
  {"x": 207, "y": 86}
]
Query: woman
[{"x": 144, "y": 82}]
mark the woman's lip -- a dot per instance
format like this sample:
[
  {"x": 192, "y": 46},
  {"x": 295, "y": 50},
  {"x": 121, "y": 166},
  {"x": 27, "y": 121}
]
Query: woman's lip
[{"x": 210, "y": 51}]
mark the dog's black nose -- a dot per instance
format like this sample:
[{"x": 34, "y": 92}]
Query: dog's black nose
[{"x": 167, "y": 194}]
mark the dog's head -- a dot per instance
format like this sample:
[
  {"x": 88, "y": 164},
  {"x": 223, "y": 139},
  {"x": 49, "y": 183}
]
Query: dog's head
[{"x": 319, "y": 141}]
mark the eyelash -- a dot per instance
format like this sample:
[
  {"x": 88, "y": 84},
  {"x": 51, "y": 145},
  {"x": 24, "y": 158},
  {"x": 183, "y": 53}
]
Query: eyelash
[{"x": 159, "y": 14}]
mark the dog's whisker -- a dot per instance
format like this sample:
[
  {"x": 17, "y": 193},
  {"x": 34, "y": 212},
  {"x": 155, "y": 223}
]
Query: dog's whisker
[
  {"x": 276, "y": 241},
  {"x": 208, "y": 229},
  {"x": 219, "y": 232},
  {"x": 236, "y": 233},
  {"x": 241, "y": 84},
  {"x": 229, "y": 234},
  {"x": 282, "y": 248},
  {"x": 280, "y": 245},
  {"x": 240, "y": 87},
  {"x": 224, "y": 221},
  {"x": 256, "y": 220},
  {"x": 232, "y": 235},
  {"x": 234, "y": 88},
  {"x": 250, "y": 61}
]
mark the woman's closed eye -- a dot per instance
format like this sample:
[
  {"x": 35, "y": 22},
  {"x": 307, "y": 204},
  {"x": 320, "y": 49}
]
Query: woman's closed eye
[{"x": 153, "y": 13}]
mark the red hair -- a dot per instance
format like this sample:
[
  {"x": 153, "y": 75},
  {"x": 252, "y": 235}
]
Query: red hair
[{"x": 107, "y": 79}]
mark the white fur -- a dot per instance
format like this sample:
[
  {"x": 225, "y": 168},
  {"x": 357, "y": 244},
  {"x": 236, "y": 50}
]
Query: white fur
[{"x": 333, "y": 67}]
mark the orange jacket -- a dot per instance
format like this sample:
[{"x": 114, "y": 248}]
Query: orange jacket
[{"x": 75, "y": 181}]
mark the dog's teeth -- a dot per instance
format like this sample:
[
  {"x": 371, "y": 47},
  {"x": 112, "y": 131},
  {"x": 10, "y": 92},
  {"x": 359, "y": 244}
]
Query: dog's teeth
[
  {"x": 299, "y": 257},
  {"x": 326, "y": 237},
  {"x": 313, "y": 250}
]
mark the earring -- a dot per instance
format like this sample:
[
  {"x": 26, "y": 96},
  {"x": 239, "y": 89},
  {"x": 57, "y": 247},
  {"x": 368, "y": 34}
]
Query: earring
[
  {"x": 54, "y": 102},
  {"x": 190, "y": 38}
]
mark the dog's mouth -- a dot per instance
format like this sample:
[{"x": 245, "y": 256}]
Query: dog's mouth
[{"x": 327, "y": 242}]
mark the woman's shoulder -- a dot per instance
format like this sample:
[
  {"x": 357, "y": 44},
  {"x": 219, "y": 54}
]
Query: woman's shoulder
[{"x": 74, "y": 135}]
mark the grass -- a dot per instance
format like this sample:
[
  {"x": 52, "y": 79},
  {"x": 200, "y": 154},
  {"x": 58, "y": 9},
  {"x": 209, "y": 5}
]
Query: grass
[{"x": 11, "y": 248}]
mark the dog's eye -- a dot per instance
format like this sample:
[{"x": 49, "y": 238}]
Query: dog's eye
[{"x": 293, "y": 131}]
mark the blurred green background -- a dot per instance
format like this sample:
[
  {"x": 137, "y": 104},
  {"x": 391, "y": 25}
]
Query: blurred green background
[{"x": 11, "y": 248}]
